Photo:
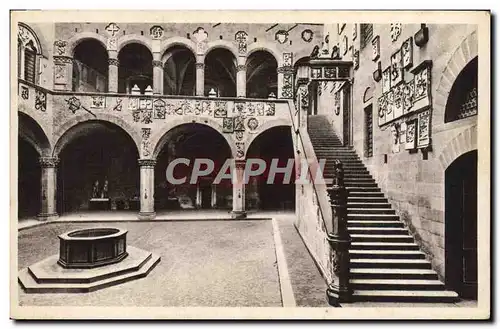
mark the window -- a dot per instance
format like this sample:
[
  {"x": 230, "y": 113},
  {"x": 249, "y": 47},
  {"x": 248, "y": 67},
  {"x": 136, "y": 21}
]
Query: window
[
  {"x": 366, "y": 34},
  {"x": 29, "y": 64},
  {"x": 28, "y": 51},
  {"x": 462, "y": 101},
  {"x": 368, "y": 131}
]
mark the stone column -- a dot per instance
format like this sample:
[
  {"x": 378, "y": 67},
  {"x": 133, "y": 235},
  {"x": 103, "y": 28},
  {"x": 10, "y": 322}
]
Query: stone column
[
  {"x": 157, "y": 76},
  {"x": 147, "y": 168},
  {"x": 113, "y": 64},
  {"x": 241, "y": 80},
  {"x": 239, "y": 189},
  {"x": 48, "y": 188},
  {"x": 339, "y": 240},
  {"x": 200, "y": 77}
]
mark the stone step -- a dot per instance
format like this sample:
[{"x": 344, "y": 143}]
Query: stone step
[
  {"x": 396, "y": 284},
  {"x": 376, "y": 211},
  {"x": 360, "y": 184},
  {"x": 384, "y": 263},
  {"x": 374, "y": 223},
  {"x": 362, "y": 189},
  {"x": 377, "y": 230},
  {"x": 366, "y": 195},
  {"x": 381, "y": 237},
  {"x": 405, "y": 254},
  {"x": 371, "y": 205},
  {"x": 357, "y": 199},
  {"x": 414, "y": 296},
  {"x": 357, "y": 216},
  {"x": 358, "y": 180},
  {"x": 401, "y": 246},
  {"x": 393, "y": 273}
]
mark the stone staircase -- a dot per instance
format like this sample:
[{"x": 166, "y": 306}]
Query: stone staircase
[{"x": 386, "y": 263}]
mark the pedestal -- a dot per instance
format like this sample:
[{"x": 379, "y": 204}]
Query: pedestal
[{"x": 99, "y": 204}]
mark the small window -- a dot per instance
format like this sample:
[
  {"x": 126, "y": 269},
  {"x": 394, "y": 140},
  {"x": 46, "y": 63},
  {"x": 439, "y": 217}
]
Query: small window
[
  {"x": 366, "y": 34},
  {"x": 29, "y": 64},
  {"x": 368, "y": 131}
]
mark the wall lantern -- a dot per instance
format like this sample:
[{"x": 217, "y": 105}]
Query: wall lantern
[
  {"x": 377, "y": 74},
  {"x": 422, "y": 35}
]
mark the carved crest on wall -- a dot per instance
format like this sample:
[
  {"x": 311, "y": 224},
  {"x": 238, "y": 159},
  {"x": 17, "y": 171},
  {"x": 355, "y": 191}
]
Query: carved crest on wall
[
  {"x": 281, "y": 36},
  {"x": 241, "y": 38},
  {"x": 200, "y": 35},
  {"x": 156, "y": 32},
  {"x": 395, "y": 31},
  {"x": 307, "y": 35},
  {"x": 112, "y": 29},
  {"x": 60, "y": 47}
]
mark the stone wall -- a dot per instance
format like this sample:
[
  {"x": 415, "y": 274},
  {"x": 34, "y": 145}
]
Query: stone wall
[{"x": 413, "y": 181}]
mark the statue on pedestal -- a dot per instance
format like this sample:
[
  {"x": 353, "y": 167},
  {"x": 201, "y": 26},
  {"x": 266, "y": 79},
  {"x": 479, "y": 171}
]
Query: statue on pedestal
[
  {"x": 104, "y": 192},
  {"x": 95, "y": 190}
]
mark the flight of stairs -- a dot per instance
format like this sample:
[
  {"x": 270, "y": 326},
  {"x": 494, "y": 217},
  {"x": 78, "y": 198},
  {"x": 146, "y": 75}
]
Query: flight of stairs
[{"x": 386, "y": 263}]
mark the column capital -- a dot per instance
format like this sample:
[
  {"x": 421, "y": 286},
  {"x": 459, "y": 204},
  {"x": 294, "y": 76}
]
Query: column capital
[
  {"x": 285, "y": 69},
  {"x": 240, "y": 163},
  {"x": 63, "y": 60},
  {"x": 113, "y": 61},
  {"x": 147, "y": 163},
  {"x": 157, "y": 63},
  {"x": 200, "y": 65},
  {"x": 241, "y": 67},
  {"x": 48, "y": 162}
]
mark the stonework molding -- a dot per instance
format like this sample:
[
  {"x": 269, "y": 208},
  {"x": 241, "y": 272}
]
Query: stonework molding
[
  {"x": 148, "y": 163},
  {"x": 222, "y": 44},
  {"x": 134, "y": 38},
  {"x": 463, "y": 54},
  {"x": 82, "y": 36},
  {"x": 284, "y": 69},
  {"x": 177, "y": 41},
  {"x": 462, "y": 143},
  {"x": 38, "y": 137},
  {"x": 48, "y": 162},
  {"x": 63, "y": 60},
  {"x": 159, "y": 138},
  {"x": 63, "y": 135},
  {"x": 114, "y": 61},
  {"x": 267, "y": 47}
]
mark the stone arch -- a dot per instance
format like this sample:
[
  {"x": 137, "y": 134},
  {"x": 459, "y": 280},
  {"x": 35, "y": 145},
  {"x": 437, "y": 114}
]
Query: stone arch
[
  {"x": 62, "y": 136},
  {"x": 30, "y": 131},
  {"x": 281, "y": 122},
  {"x": 267, "y": 47},
  {"x": 35, "y": 37},
  {"x": 82, "y": 36},
  {"x": 368, "y": 94},
  {"x": 462, "y": 143},
  {"x": 301, "y": 55},
  {"x": 133, "y": 38},
  {"x": 222, "y": 44},
  {"x": 159, "y": 140},
  {"x": 178, "y": 41},
  {"x": 463, "y": 54}
]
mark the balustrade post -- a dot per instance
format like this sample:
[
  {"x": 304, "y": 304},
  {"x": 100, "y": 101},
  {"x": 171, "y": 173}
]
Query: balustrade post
[{"x": 339, "y": 240}]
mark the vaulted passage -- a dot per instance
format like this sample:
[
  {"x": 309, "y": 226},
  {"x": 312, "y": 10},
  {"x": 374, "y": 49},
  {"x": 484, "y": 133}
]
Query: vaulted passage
[
  {"x": 263, "y": 191},
  {"x": 179, "y": 72},
  {"x": 262, "y": 78},
  {"x": 90, "y": 67},
  {"x": 136, "y": 68},
  {"x": 220, "y": 73},
  {"x": 461, "y": 225},
  {"x": 98, "y": 169},
  {"x": 192, "y": 141},
  {"x": 28, "y": 184}
]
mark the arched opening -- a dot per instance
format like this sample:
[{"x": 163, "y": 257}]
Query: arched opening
[
  {"x": 192, "y": 141},
  {"x": 136, "y": 68},
  {"x": 262, "y": 76},
  {"x": 462, "y": 101},
  {"x": 179, "y": 71},
  {"x": 263, "y": 192},
  {"x": 90, "y": 67},
  {"x": 28, "y": 49},
  {"x": 461, "y": 225},
  {"x": 32, "y": 143},
  {"x": 301, "y": 68},
  {"x": 220, "y": 73},
  {"x": 98, "y": 169},
  {"x": 28, "y": 182}
]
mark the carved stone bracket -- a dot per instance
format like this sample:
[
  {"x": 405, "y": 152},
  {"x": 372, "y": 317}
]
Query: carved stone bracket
[{"x": 48, "y": 162}]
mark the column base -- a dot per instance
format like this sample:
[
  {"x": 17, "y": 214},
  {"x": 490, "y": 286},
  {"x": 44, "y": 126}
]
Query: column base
[
  {"x": 336, "y": 295},
  {"x": 236, "y": 214},
  {"x": 146, "y": 215},
  {"x": 45, "y": 217}
]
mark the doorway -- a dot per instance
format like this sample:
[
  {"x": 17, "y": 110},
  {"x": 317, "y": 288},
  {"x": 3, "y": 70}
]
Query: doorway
[{"x": 461, "y": 225}]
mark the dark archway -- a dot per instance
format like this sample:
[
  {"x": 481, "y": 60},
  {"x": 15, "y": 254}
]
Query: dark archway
[
  {"x": 220, "y": 72},
  {"x": 90, "y": 67},
  {"x": 274, "y": 143},
  {"x": 462, "y": 101},
  {"x": 136, "y": 68},
  {"x": 262, "y": 76},
  {"x": 461, "y": 225},
  {"x": 192, "y": 141},
  {"x": 29, "y": 180},
  {"x": 97, "y": 151},
  {"x": 179, "y": 71}
]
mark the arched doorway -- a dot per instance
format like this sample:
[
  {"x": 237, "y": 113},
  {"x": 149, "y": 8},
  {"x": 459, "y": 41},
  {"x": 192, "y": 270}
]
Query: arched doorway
[
  {"x": 192, "y": 141},
  {"x": 262, "y": 76},
  {"x": 462, "y": 101},
  {"x": 90, "y": 67},
  {"x": 461, "y": 225},
  {"x": 220, "y": 73},
  {"x": 28, "y": 182},
  {"x": 97, "y": 151},
  {"x": 273, "y": 144},
  {"x": 179, "y": 71},
  {"x": 136, "y": 68}
]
